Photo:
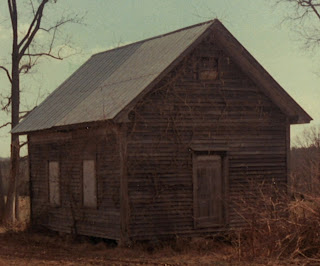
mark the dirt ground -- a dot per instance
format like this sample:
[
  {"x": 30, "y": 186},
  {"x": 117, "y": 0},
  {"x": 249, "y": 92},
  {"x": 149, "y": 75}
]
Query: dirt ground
[
  {"x": 31, "y": 248},
  {"x": 26, "y": 248},
  {"x": 19, "y": 247}
]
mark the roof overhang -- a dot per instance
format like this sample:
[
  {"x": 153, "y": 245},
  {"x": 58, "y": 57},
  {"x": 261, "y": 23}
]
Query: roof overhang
[
  {"x": 245, "y": 61},
  {"x": 250, "y": 66}
]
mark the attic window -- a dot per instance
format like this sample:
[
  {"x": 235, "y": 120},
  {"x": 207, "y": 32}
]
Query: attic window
[
  {"x": 131, "y": 115},
  {"x": 208, "y": 68}
]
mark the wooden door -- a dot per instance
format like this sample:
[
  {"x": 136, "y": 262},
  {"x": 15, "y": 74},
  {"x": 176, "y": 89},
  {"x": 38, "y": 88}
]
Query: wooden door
[{"x": 208, "y": 190}]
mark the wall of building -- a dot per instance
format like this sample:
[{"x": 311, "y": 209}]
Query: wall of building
[
  {"x": 70, "y": 149},
  {"x": 190, "y": 108},
  {"x": 206, "y": 101}
]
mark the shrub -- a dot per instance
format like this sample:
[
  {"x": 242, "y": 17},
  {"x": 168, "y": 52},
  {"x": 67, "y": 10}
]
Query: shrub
[{"x": 278, "y": 226}]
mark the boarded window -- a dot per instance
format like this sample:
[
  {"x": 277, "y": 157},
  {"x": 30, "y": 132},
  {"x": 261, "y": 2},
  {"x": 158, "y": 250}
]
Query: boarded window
[
  {"x": 89, "y": 184},
  {"x": 208, "y": 190},
  {"x": 208, "y": 68},
  {"x": 54, "y": 183}
]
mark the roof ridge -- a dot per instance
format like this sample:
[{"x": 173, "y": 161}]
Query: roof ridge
[{"x": 158, "y": 36}]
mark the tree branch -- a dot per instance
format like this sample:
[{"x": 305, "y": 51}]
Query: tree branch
[
  {"x": 6, "y": 106},
  {"x": 7, "y": 72},
  {"x": 59, "y": 23},
  {"x": 305, "y": 18},
  {"x": 14, "y": 19},
  {"x": 10, "y": 9},
  {"x": 36, "y": 18},
  {"x": 6, "y": 124},
  {"x": 22, "y": 144},
  {"x": 33, "y": 29},
  {"x": 32, "y": 7},
  {"x": 315, "y": 10},
  {"x": 46, "y": 54},
  {"x": 25, "y": 113},
  {"x": 308, "y": 4}
]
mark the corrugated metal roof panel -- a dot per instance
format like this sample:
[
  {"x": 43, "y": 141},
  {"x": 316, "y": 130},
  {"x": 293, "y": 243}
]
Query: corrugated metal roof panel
[
  {"x": 132, "y": 78},
  {"x": 104, "y": 104},
  {"x": 75, "y": 89},
  {"x": 109, "y": 81}
]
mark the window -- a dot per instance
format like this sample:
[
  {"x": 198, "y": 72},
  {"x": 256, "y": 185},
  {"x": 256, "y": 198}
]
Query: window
[
  {"x": 54, "y": 183},
  {"x": 89, "y": 184},
  {"x": 208, "y": 68}
]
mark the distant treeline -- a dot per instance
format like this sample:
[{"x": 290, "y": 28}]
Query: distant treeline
[{"x": 305, "y": 169}]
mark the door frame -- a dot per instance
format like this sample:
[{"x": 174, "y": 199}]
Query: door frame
[{"x": 225, "y": 186}]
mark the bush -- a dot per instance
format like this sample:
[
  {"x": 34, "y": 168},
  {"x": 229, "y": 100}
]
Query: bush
[{"x": 279, "y": 226}]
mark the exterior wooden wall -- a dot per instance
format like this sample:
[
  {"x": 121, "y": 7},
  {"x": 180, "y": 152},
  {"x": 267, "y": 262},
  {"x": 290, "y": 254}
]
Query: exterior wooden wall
[
  {"x": 230, "y": 113},
  {"x": 70, "y": 149}
]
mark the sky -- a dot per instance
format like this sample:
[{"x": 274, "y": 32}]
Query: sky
[{"x": 257, "y": 24}]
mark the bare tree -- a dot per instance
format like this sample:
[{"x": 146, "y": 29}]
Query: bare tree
[
  {"x": 1, "y": 195},
  {"x": 305, "y": 18},
  {"x": 26, "y": 53}
]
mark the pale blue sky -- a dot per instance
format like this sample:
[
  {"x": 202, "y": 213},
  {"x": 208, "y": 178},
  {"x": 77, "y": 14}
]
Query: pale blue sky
[{"x": 255, "y": 23}]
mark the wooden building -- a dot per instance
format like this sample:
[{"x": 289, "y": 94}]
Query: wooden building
[{"x": 158, "y": 138}]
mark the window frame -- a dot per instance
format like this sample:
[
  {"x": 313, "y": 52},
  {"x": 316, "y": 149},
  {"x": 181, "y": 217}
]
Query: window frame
[
  {"x": 208, "y": 68},
  {"x": 52, "y": 203},
  {"x": 95, "y": 185}
]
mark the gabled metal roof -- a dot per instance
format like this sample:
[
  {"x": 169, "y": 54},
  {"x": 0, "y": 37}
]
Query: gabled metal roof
[{"x": 109, "y": 82}]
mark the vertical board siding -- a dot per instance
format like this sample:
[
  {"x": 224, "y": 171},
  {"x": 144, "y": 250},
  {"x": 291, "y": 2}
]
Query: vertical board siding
[
  {"x": 71, "y": 215},
  {"x": 182, "y": 110}
]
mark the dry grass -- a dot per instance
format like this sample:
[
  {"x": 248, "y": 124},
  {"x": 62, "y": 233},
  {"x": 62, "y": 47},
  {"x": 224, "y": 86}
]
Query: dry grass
[
  {"x": 31, "y": 248},
  {"x": 22, "y": 247},
  {"x": 280, "y": 231},
  {"x": 279, "y": 227}
]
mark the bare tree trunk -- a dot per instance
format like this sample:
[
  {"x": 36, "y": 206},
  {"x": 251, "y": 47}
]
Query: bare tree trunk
[
  {"x": 15, "y": 106},
  {"x": 15, "y": 151},
  {"x": 9, "y": 210},
  {"x": 21, "y": 48},
  {"x": 17, "y": 203},
  {"x": 2, "y": 202}
]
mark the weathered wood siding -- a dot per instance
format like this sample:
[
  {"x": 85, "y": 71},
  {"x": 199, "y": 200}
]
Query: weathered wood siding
[
  {"x": 70, "y": 149},
  {"x": 230, "y": 112},
  {"x": 223, "y": 112}
]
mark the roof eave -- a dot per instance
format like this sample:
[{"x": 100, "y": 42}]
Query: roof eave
[
  {"x": 66, "y": 127},
  {"x": 246, "y": 62},
  {"x": 297, "y": 120},
  {"x": 249, "y": 65}
]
